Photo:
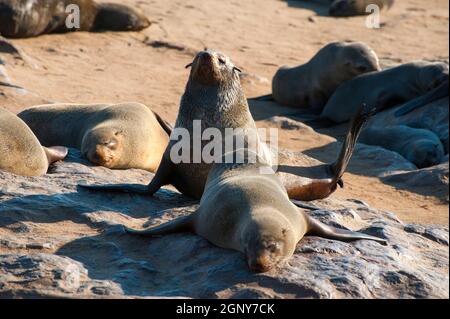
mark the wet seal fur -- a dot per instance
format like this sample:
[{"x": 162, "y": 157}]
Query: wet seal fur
[
  {"x": 310, "y": 85},
  {"x": 214, "y": 96},
  {"x": 244, "y": 210},
  {"x": 421, "y": 147},
  {"x": 117, "y": 136},
  {"x": 21, "y": 152},
  {"x": 30, "y": 18},
  {"x": 386, "y": 89}
]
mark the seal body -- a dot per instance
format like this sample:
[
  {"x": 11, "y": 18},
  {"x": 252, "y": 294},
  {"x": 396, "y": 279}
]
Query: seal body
[
  {"x": 421, "y": 147},
  {"x": 249, "y": 211},
  {"x": 117, "y": 136},
  {"x": 20, "y": 151},
  {"x": 348, "y": 8},
  {"x": 214, "y": 99},
  {"x": 385, "y": 89},
  {"x": 30, "y": 18},
  {"x": 310, "y": 85}
]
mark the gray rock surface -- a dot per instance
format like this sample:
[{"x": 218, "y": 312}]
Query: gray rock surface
[{"x": 60, "y": 241}]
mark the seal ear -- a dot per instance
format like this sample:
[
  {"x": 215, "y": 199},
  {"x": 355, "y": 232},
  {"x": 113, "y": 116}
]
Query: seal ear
[
  {"x": 188, "y": 66},
  {"x": 237, "y": 69}
]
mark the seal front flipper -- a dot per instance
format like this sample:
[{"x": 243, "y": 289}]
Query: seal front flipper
[
  {"x": 319, "y": 229},
  {"x": 179, "y": 225},
  {"x": 162, "y": 178},
  {"x": 436, "y": 94}
]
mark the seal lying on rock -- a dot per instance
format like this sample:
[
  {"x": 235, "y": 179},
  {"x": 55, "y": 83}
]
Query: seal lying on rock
[
  {"x": 215, "y": 99},
  {"x": 30, "y": 18},
  {"x": 310, "y": 85},
  {"x": 348, "y": 8},
  {"x": 385, "y": 89},
  {"x": 244, "y": 210},
  {"x": 118, "y": 136},
  {"x": 421, "y": 147},
  {"x": 20, "y": 151}
]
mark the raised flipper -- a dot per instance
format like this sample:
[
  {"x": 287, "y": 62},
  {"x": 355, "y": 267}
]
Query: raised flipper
[
  {"x": 180, "y": 225},
  {"x": 162, "y": 178},
  {"x": 313, "y": 189},
  {"x": 317, "y": 228},
  {"x": 438, "y": 93},
  {"x": 55, "y": 153}
]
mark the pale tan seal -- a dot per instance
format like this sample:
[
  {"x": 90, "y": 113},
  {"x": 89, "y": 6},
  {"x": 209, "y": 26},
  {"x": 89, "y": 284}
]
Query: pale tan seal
[
  {"x": 244, "y": 210},
  {"x": 20, "y": 151},
  {"x": 215, "y": 97},
  {"x": 117, "y": 136},
  {"x": 30, "y": 18},
  {"x": 310, "y": 85}
]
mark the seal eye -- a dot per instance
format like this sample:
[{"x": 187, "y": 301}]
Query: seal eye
[{"x": 222, "y": 61}]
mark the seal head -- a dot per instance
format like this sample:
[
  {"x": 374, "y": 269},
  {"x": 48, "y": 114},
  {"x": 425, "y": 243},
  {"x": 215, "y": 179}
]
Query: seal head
[
  {"x": 117, "y": 17},
  {"x": 358, "y": 58}
]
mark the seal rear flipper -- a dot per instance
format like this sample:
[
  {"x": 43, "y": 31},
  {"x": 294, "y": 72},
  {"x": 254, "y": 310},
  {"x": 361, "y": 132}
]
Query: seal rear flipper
[
  {"x": 340, "y": 166},
  {"x": 319, "y": 229},
  {"x": 179, "y": 225},
  {"x": 436, "y": 94},
  {"x": 55, "y": 153}
]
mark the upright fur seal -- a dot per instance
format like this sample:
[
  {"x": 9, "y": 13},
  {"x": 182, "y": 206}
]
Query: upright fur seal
[
  {"x": 421, "y": 147},
  {"x": 348, "y": 8},
  {"x": 118, "y": 136},
  {"x": 214, "y": 97},
  {"x": 310, "y": 85},
  {"x": 385, "y": 89},
  {"x": 30, "y": 18},
  {"x": 244, "y": 210},
  {"x": 20, "y": 151}
]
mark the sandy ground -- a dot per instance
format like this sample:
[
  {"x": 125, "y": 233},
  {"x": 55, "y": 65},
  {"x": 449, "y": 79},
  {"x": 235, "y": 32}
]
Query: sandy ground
[{"x": 259, "y": 35}]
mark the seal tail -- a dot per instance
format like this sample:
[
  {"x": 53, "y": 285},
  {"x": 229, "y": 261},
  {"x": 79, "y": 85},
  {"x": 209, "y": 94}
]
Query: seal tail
[
  {"x": 179, "y": 225},
  {"x": 319, "y": 229},
  {"x": 438, "y": 93}
]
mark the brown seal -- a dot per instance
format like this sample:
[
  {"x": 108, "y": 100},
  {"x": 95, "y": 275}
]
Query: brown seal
[
  {"x": 20, "y": 150},
  {"x": 245, "y": 210},
  {"x": 215, "y": 97},
  {"x": 310, "y": 85},
  {"x": 30, "y": 18},
  {"x": 118, "y": 136},
  {"x": 348, "y": 8}
]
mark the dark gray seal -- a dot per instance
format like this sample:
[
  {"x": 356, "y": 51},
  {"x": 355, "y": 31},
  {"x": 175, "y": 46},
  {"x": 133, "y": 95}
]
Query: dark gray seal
[{"x": 30, "y": 18}]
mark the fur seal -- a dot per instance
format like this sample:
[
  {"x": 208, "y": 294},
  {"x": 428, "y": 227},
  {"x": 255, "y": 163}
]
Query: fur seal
[
  {"x": 421, "y": 147},
  {"x": 250, "y": 212},
  {"x": 214, "y": 97},
  {"x": 117, "y": 136},
  {"x": 348, "y": 8},
  {"x": 385, "y": 89},
  {"x": 310, "y": 85},
  {"x": 20, "y": 150},
  {"x": 30, "y": 18}
]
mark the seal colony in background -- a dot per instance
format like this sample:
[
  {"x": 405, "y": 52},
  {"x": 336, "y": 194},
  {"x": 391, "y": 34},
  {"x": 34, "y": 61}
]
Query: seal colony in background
[{"x": 31, "y": 18}]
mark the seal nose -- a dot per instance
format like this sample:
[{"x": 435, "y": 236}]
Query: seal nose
[
  {"x": 260, "y": 264},
  {"x": 205, "y": 57}
]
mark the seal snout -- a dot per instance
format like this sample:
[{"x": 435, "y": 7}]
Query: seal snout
[{"x": 260, "y": 264}]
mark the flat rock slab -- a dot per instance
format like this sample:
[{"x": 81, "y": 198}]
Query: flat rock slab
[{"x": 57, "y": 240}]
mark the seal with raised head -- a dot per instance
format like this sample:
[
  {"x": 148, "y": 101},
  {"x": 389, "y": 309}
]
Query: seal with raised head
[
  {"x": 20, "y": 151},
  {"x": 117, "y": 136},
  {"x": 310, "y": 85},
  {"x": 30, "y": 18},
  {"x": 348, "y": 8},
  {"x": 245, "y": 210},
  {"x": 214, "y": 97},
  {"x": 386, "y": 89},
  {"x": 421, "y": 147}
]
